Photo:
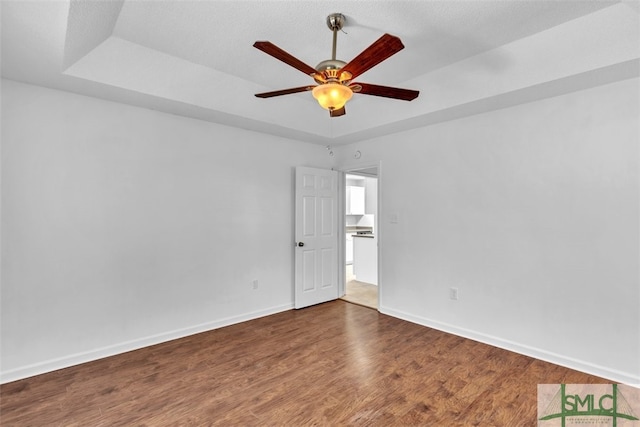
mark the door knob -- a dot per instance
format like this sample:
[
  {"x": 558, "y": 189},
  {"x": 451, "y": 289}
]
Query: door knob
[{"x": 300, "y": 244}]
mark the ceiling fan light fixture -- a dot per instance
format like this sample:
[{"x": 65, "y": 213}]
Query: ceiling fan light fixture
[
  {"x": 333, "y": 76},
  {"x": 332, "y": 96}
]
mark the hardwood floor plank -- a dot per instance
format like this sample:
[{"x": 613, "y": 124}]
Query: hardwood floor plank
[{"x": 332, "y": 364}]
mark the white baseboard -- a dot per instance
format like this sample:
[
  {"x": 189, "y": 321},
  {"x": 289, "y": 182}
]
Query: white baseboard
[
  {"x": 112, "y": 350},
  {"x": 76, "y": 359},
  {"x": 568, "y": 362}
]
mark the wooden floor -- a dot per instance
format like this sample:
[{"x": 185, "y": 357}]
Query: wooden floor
[{"x": 332, "y": 364}]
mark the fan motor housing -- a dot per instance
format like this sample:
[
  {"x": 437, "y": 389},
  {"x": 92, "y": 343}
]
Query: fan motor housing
[
  {"x": 330, "y": 64},
  {"x": 329, "y": 71}
]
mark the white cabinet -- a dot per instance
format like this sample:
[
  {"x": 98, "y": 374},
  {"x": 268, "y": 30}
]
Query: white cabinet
[
  {"x": 355, "y": 200},
  {"x": 365, "y": 259},
  {"x": 371, "y": 196},
  {"x": 349, "y": 248}
]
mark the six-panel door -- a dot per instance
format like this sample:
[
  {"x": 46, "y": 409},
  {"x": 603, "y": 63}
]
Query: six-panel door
[{"x": 316, "y": 259}]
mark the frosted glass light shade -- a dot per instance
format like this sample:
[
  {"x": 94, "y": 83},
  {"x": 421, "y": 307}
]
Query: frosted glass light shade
[{"x": 332, "y": 96}]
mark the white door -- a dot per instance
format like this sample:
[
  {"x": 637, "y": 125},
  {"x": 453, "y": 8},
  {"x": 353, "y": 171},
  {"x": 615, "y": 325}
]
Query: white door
[{"x": 316, "y": 236}]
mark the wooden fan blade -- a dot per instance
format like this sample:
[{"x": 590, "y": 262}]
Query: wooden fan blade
[
  {"x": 337, "y": 113},
  {"x": 385, "y": 91},
  {"x": 380, "y": 50},
  {"x": 284, "y": 91},
  {"x": 273, "y": 50}
]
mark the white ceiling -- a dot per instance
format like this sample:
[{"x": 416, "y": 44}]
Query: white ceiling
[{"x": 195, "y": 58}]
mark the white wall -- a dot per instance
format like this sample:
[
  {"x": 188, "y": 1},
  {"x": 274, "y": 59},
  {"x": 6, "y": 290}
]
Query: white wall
[
  {"x": 532, "y": 212},
  {"x": 123, "y": 227}
]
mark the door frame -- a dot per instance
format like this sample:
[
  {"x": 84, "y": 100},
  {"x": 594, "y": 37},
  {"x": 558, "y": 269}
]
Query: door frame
[{"x": 342, "y": 235}]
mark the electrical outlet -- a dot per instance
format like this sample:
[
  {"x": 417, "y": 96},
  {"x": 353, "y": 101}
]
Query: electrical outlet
[
  {"x": 255, "y": 284},
  {"x": 453, "y": 293}
]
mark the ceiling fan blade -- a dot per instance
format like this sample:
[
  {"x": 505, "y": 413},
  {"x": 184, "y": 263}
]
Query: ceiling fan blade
[
  {"x": 273, "y": 50},
  {"x": 380, "y": 50},
  {"x": 385, "y": 91},
  {"x": 284, "y": 91},
  {"x": 337, "y": 113}
]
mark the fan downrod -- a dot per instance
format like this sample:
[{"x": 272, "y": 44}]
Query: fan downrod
[{"x": 330, "y": 67}]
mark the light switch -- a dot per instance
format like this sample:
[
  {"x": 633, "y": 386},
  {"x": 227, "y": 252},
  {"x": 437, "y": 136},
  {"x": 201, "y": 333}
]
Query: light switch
[{"x": 394, "y": 218}]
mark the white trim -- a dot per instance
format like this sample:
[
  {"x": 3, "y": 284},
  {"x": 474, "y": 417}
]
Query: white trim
[
  {"x": 342, "y": 252},
  {"x": 547, "y": 356},
  {"x": 112, "y": 350}
]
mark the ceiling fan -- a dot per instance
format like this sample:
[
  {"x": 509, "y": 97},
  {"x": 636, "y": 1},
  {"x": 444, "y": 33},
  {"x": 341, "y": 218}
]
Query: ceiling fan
[{"x": 334, "y": 77}]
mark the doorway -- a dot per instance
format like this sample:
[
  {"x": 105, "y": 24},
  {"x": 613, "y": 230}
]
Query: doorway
[{"x": 361, "y": 237}]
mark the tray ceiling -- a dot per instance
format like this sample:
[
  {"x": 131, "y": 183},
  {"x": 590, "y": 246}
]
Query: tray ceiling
[{"x": 195, "y": 58}]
